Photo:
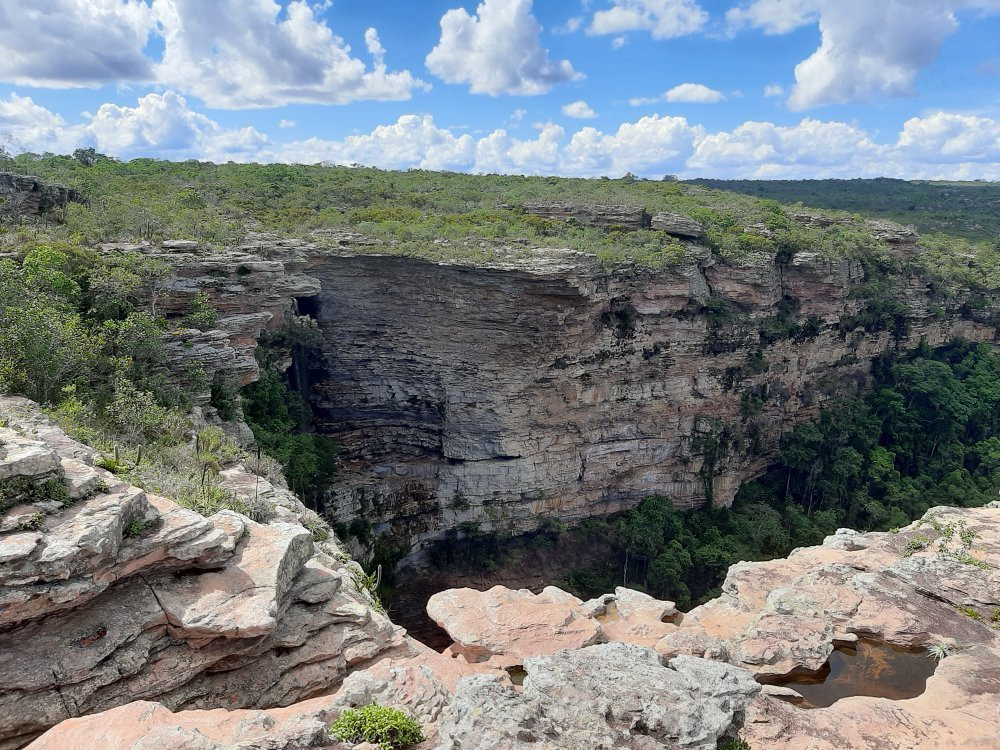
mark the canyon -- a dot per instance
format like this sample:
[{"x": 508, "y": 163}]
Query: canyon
[
  {"x": 542, "y": 383},
  {"x": 497, "y": 388},
  {"x": 209, "y": 633}
]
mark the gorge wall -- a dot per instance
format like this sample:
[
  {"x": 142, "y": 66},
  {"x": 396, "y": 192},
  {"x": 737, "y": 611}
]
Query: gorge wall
[{"x": 543, "y": 384}]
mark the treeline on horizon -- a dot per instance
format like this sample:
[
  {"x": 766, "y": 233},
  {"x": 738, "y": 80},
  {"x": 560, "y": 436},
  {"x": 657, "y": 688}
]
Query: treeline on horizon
[{"x": 964, "y": 209}]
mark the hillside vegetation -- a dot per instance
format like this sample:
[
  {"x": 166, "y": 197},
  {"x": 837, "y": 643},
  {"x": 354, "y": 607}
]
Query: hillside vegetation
[
  {"x": 437, "y": 215},
  {"x": 970, "y": 210}
]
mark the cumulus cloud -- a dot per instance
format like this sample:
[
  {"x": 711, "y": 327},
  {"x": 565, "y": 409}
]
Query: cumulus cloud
[
  {"x": 160, "y": 125},
  {"x": 242, "y": 53},
  {"x": 497, "y": 51},
  {"x": 852, "y": 63},
  {"x": 67, "y": 43},
  {"x": 939, "y": 145},
  {"x": 31, "y": 127},
  {"x": 412, "y": 141},
  {"x": 663, "y": 19},
  {"x": 286, "y": 123},
  {"x": 693, "y": 92},
  {"x": 774, "y": 89},
  {"x": 579, "y": 110},
  {"x": 696, "y": 93},
  {"x": 945, "y": 137}
]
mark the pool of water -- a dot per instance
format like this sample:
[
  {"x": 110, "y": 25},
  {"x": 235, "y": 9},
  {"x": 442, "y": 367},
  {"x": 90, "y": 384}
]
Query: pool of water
[{"x": 871, "y": 668}]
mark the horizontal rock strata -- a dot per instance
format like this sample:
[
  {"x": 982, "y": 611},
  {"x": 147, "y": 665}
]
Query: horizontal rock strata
[{"x": 109, "y": 594}]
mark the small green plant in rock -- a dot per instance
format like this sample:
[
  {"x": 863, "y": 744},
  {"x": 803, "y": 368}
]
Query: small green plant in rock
[
  {"x": 995, "y": 618},
  {"x": 32, "y": 523},
  {"x": 970, "y": 612},
  {"x": 136, "y": 528},
  {"x": 918, "y": 543},
  {"x": 733, "y": 743},
  {"x": 388, "y": 728},
  {"x": 201, "y": 314},
  {"x": 367, "y": 585},
  {"x": 938, "y": 650}
]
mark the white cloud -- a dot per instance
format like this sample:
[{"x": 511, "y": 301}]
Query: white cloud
[
  {"x": 579, "y": 110},
  {"x": 951, "y": 138},
  {"x": 773, "y": 16},
  {"x": 774, "y": 89},
  {"x": 165, "y": 125},
  {"x": 693, "y": 92},
  {"x": 286, "y": 123},
  {"x": 31, "y": 127},
  {"x": 696, "y": 93},
  {"x": 571, "y": 26},
  {"x": 160, "y": 125},
  {"x": 940, "y": 145},
  {"x": 67, "y": 43},
  {"x": 249, "y": 53},
  {"x": 231, "y": 53},
  {"x": 867, "y": 49},
  {"x": 663, "y": 19},
  {"x": 497, "y": 51},
  {"x": 853, "y": 64},
  {"x": 412, "y": 141}
]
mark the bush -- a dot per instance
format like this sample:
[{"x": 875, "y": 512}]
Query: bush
[
  {"x": 388, "y": 728},
  {"x": 201, "y": 314}
]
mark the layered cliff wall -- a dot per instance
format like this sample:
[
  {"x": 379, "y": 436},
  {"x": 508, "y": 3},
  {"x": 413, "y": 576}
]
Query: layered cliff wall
[
  {"x": 542, "y": 383},
  {"x": 553, "y": 387}
]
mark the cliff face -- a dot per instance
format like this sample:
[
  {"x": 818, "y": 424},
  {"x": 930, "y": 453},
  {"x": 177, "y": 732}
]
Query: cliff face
[
  {"x": 22, "y": 195},
  {"x": 553, "y": 387},
  {"x": 543, "y": 384}
]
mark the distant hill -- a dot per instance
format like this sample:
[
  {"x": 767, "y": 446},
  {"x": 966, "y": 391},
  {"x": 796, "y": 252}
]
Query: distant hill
[{"x": 964, "y": 209}]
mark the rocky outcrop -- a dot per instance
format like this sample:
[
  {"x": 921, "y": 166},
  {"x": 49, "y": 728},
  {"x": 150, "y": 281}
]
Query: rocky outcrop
[
  {"x": 932, "y": 583},
  {"x": 603, "y": 697},
  {"x": 600, "y": 215},
  {"x": 677, "y": 224},
  {"x": 109, "y": 594},
  {"x": 24, "y": 195}
]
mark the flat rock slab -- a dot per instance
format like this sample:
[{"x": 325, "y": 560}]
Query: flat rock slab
[
  {"x": 242, "y": 599},
  {"x": 516, "y": 624},
  {"x": 603, "y": 697}
]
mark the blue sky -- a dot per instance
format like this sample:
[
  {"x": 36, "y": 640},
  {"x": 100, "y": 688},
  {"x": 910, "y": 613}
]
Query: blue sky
[{"x": 729, "y": 88}]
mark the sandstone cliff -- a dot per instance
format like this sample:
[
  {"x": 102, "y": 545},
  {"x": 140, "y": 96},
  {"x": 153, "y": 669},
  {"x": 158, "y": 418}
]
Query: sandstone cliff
[
  {"x": 541, "y": 383},
  {"x": 26, "y": 196}
]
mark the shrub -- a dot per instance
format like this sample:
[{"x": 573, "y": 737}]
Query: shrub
[
  {"x": 201, "y": 314},
  {"x": 388, "y": 728},
  {"x": 938, "y": 650}
]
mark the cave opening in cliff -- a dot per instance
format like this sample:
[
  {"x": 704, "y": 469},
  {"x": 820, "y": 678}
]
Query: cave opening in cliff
[{"x": 868, "y": 668}]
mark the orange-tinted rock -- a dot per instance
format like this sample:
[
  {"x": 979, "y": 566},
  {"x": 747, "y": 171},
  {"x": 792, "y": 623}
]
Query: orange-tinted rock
[{"x": 512, "y": 624}]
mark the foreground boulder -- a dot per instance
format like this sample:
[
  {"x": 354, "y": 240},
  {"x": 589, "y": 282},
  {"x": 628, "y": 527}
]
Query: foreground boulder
[
  {"x": 602, "y": 697},
  {"x": 109, "y": 594}
]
